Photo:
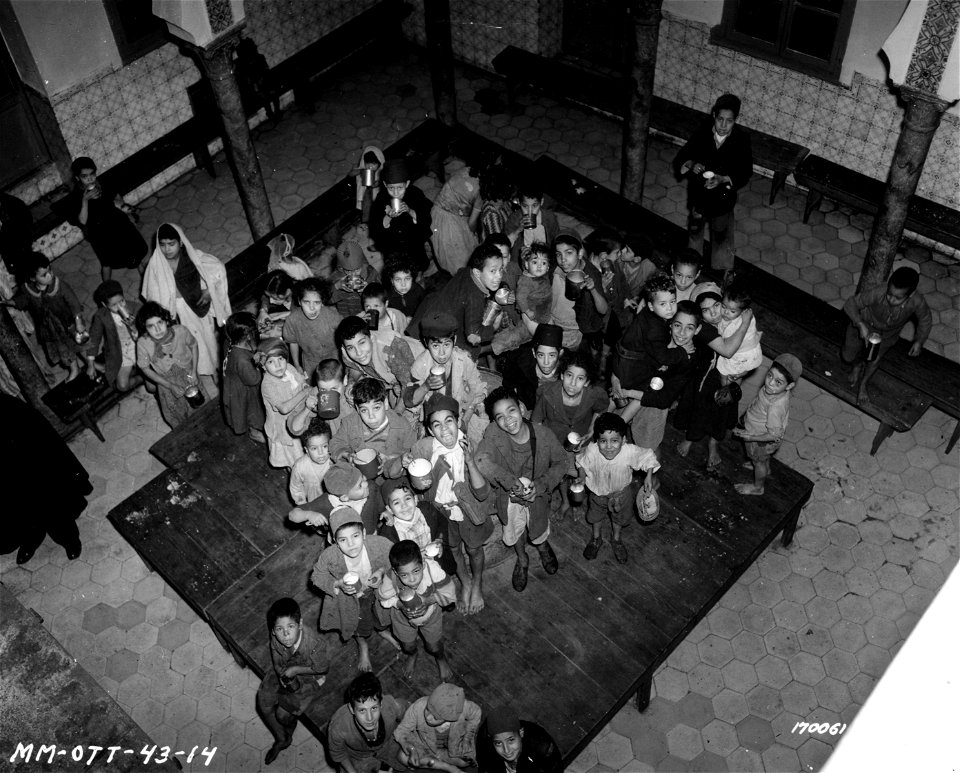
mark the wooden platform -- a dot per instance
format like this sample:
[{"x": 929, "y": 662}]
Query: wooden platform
[{"x": 579, "y": 644}]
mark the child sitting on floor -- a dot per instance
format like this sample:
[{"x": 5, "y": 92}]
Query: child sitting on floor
[
  {"x": 343, "y": 486},
  {"x": 374, "y": 300},
  {"x": 374, "y": 426},
  {"x": 348, "y": 574},
  {"x": 607, "y": 468},
  {"x": 275, "y": 305},
  {"x": 766, "y": 419},
  {"x": 240, "y": 400},
  {"x": 534, "y": 299},
  {"x": 414, "y": 592},
  {"x": 748, "y": 356},
  {"x": 306, "y": 477},
  {"x": 283, "y": 388},
  {"x": 440, "y": 731}
]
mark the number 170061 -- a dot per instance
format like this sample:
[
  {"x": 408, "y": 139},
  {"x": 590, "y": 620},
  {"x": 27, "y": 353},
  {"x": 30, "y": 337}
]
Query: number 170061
[{"x": 821, "y": 729}]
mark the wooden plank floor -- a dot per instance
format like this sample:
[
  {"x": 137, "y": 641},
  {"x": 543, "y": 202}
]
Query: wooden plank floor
[{"x": 570, "y": 650}]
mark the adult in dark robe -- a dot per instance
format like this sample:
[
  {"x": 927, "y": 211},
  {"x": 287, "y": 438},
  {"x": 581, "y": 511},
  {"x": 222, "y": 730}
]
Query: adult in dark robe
[{"x": 49, "y": 486}]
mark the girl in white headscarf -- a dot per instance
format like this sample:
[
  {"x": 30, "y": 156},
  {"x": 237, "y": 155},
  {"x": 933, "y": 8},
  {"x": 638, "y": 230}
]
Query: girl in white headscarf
[{"x": 192, "y": 285}]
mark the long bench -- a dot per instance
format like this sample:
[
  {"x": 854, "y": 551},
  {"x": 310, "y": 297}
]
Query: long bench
[
  {"x": 611, "y": 94},
  {"x": 790, "y": 319},
  {"x": 378, "y": 25},
  {"x": 865, "y": 194}
]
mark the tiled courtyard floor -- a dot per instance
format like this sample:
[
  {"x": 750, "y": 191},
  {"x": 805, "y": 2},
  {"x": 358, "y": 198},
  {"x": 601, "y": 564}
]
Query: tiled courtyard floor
[{"x": 805, "y": 635}]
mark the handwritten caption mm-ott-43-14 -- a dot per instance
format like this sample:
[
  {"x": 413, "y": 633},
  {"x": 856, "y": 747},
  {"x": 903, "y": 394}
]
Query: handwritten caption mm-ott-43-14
[{"x": 88, "y": 754}]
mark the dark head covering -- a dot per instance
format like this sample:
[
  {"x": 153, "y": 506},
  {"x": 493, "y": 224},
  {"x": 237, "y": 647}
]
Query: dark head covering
[
  {"x": 441, "y": 402},
  {"x": 502, "y": 720},
  {"x": 548, "y": 335},
  {"x": 439, "y": 324},
  {"x": 395, "y": 170}
]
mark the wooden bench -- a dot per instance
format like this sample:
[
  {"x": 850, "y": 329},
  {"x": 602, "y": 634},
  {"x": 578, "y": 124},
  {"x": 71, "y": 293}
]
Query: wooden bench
[
  {"x": 377, "y": 25},
  {"x": 865, "y": 194},
  {"x": 611, "y": 94},
  {"x": 213, "y": 526},
  {"x": 791, "y": 320},
  {"x": 77, "y": 403}
]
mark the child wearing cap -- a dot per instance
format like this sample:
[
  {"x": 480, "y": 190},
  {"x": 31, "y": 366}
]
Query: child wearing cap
[
  {"x": 440, "y": 731},
  {"x": 766, "y": 419},
  {"x": 360, "y": 734},
  {"x": 299, "y": 659},
  {"x": 350, "y": 608},
  {"x": 407, "y": 226},
  {"x": 525, "y": 462},
  {"x": 284, "y": 388},
  {"x": 460, "y": 378},
  {"x": 352, "y": 275},
  {"x": 533, "y": 364},
  {"x": 374, "y": 426},
  {"x": 343, "y": 486},
  {"x": 309, "y": 328},
  {"x": 461, "y": 491},
  {"x": 507, "y": 744},
  {"x": 414, "y": 592}
]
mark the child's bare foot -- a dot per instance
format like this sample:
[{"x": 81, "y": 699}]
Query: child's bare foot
[
  {"x": 74, "y": 371},
  {"x": 748, "y": 489},
  {"x": 855, "y": 375},
  {"x": 410, "y": 664},
  {"x": 463, "y": 601},
  {"x": 746, "y": 465},
  {"x": 446, "y": 673},
  {"x": 476, "y": 600},
  {"x": 560, "y": 514},
  {"x": 363, "y": 656},
  {"x": 683, "y": 447},
  {"x": 713, "y": 461},
  {"x": 863, "y": 398},
  {"x": 389, "y": 638}
]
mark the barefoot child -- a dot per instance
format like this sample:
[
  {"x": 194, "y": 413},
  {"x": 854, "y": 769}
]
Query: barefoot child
[
  {"x": 461, "y": 491},
  {"x": 167, "y": 356},
  {"x": 306, "y": 476},
  {"x": 607, "y": 468},
  {"x": 766, "y": 419},
  {"x": 56, "y": 313},
  {"x": 570, "y": 406},
  {"x": 349, "y": 606},
  {"x": 241, "y": 401},
  {"x": 299, "y": 663},
  {"x": 526, "y": 463},
  {"x": 414, "y": 592},
  {"x": 283, "y": 388}
]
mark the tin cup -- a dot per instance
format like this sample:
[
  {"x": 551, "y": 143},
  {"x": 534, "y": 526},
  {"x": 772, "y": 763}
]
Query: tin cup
[
  {"x": 366, "y": 461},
  {"x": 438, "y": 371},
  {"x": 578, "y": 492},
  {"x": 502, "y": 295},
  {"x": 656, "y": 383},
  {"x": 572, "y": 441},
  {"x": 371, "y": 177},
  {"x": 421, "y": 474},
  {"x": 530, "y": 221},
  {"x": 873, "y": 347},
  {"x": 621, "y": 402},
  {"x": 328, "y": 403},
  {"x": 490, "y": 313},
  {"x": 708, "y": 175},
  {"x": 410, "y": 600},
  {"x": 432, "y": 550},
  {"x": 194, "y": 396},
  {"x": 352, "y": 580},
  {"x": 574, "y": 285},
  {"x": 525, "y": 484},
  {"x": 81, "y": 336},
  {"x": 396, "y": 203},
  {"x": 373, "y": 319}
]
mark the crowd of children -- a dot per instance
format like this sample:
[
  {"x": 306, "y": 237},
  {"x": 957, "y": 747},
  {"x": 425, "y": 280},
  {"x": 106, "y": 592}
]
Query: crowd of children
[{"x": 419, "y": 412}]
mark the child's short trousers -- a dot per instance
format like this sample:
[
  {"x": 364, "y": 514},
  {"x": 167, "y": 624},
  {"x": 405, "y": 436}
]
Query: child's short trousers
[
  {"x": 518, "y": 516},
  {"x": 406, "y": 632},
  {"x": 368, "y": 622},
  {"x": 759, "y": 452},
  {"x": 598, "y": 508},
  {"x": 467, "y": 532}
]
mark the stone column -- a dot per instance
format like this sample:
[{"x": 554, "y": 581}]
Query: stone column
[
  {"x": 440, "y": 52},
  {"x": 24, "y": 368},
  {"x": 920, "y": 122},
  {"x": 216, "y": 64},
  {"x": 636, "y": 128}
]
